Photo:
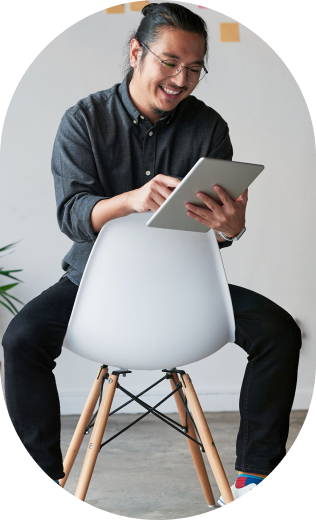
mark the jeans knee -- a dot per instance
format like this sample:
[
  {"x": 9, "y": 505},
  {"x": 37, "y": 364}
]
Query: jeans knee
[
  {"x": 13, "y": 341},
  {"x": 287, "y": 333},
  {"x": 23, "y": 335},
  {"x": 293, "y": 332},
  {"x": 296, "y": 334},
  {"x": 29, "y": 340}
]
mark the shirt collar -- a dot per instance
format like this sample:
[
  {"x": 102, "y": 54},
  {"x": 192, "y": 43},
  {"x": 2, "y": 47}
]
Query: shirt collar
[{"x": 132, "y": 109}]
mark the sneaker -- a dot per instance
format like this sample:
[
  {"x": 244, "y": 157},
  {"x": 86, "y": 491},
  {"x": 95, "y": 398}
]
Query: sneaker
[{"x": 243, "y": 484}]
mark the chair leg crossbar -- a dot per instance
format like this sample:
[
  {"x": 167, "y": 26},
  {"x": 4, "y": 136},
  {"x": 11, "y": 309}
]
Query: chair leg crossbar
[
  {"x": 177, "y": 426},
  {"x": 180, "y": 427},
  {"x": 193, "y": 426}
]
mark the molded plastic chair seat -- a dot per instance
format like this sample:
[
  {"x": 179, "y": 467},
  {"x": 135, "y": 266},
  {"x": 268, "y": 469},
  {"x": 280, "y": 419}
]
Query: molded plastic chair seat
[{"x": 151, "y": 298}]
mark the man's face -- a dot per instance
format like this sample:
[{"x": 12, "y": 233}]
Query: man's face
[{"x": 161, "y": 93}]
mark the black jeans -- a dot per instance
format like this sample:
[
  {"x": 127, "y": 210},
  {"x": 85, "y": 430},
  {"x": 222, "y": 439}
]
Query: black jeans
[{"x": 264, "y": 330}]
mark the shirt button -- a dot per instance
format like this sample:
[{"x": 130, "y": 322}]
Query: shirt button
[
  {"x": 135, "y": 121},
  {"x": 150, "y": 134},
  {"x": 148, "y": 172},
  {"x": 142, "y": 117}
]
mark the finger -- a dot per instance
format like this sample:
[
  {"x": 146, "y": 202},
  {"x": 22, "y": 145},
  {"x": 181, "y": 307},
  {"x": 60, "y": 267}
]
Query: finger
[
  {"x": 163, "y": 190},
  {"x": 208, "y": 201},
  {"x": 167, "y": 180},
  {"x": 201, "y": 212},
  {"x": 200, "y": 219},
  {"x": 160, "y": 185},
  {"x": 153, "y": 206},
  {"x": 243, "y": 197},
  {"x": 223, "y": 195},
  {"x": 160, "y": 194},
  {"x": 158, "y": 198}
]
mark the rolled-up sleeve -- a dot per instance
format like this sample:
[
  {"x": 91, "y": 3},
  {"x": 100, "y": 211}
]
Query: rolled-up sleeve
[{"x": 77, "y": 187}]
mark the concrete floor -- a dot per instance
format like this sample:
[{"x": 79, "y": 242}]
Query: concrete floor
[{"x": 148, "y": 472}]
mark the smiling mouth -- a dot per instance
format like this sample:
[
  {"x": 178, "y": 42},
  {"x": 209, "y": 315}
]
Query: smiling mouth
[{"x": 170, "y": 91}]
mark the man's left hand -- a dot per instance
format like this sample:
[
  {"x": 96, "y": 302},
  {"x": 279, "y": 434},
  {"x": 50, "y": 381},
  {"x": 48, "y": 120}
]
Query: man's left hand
[{"x": 229, "y": 218}]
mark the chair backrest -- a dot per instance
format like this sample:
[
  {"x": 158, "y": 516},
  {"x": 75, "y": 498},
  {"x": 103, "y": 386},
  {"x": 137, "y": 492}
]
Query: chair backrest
[{"x": 151, "y": 298}]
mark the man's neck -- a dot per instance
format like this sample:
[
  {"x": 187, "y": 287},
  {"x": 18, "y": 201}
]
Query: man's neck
[{"x": 137, "y": 98}]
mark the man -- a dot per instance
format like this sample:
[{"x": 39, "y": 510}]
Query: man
[{"x": 120, "y": 151}]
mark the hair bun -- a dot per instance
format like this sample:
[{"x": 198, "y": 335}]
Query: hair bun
[{"x": 148, "y": 8}]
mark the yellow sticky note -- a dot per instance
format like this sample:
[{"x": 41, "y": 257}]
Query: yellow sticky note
[
  {"x": 116, "y": 9},
  {"x": 137, "y": 6},
  {"x": 230, "y": 32}
]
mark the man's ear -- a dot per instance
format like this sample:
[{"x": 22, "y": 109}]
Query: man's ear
[{"x": 135, "y": 53}]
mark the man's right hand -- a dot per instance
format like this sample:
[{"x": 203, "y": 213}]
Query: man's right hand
[
  {"x": 152, "y": 194},
  {"x": 148, "y": 197}
]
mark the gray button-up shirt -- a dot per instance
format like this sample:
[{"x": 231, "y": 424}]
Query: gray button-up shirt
[{"x": 104, "y": 147}]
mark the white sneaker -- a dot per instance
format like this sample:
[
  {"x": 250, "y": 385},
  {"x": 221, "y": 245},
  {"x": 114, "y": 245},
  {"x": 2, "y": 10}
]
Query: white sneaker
[{"x": 239, "y": 491}]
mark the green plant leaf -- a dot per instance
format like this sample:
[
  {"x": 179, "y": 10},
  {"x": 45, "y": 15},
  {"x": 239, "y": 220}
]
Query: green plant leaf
[
  {"x": 10, "y": 270},
  {"x": 13, "y": 297},
  {"x": 4, "y": 288},
  {"x": 7, "y": 247},
  {"x": 5, "y": 305},
  {"x": 7, "y": 273},
  {"x": 5, "y": 297},
  {"x": 9, "y": 303}
]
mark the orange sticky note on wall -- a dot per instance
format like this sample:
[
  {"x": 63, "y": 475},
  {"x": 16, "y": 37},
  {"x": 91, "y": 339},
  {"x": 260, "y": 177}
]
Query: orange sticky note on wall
[
  {"x": 116, "y": 9},
  {"x": 230, "y": 32},
  {"x": 137, "y": 6}
]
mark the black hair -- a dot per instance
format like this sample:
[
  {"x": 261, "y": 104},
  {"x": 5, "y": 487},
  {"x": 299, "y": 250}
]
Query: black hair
[{"x": 159, "y": 16}]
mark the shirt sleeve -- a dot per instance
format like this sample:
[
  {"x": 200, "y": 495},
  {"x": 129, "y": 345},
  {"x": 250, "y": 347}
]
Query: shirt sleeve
[
  {"x": 77, "y": 188},
  {"x": 222, "y": 147},
  {"x": 227, "y": 243}
]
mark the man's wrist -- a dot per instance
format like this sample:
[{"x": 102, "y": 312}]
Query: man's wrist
[
  {"x": 234, "y": 238},
  {"x": 219, "y": 237},
  {"x": 129, "y": 202},
  {"x": 109, "y": 209}
]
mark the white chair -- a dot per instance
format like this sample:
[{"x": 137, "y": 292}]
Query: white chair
[{"x": 150, "y": 299}]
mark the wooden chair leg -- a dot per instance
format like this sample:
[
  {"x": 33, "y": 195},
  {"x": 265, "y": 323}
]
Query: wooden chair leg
[
  {"x": 96, "y": 438},
  {"x": 84, "y": 420},
  {"x": 194, "y": 448},
  {"x": 207, "y": 440}
]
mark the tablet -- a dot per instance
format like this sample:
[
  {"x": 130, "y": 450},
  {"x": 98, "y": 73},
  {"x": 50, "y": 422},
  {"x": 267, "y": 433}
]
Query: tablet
[{"x": 233, "y": 176}]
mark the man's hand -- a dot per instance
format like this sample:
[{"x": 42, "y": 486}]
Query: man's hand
[
  {"x": 152, "y": 194},
  {"x": 228, "y": 218}
]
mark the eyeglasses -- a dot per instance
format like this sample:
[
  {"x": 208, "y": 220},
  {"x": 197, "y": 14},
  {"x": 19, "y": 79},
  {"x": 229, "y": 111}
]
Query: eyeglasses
[{"x": 173, "y": 67}]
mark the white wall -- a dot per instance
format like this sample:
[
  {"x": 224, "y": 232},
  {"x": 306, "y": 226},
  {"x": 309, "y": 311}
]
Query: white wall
[{"x": 269, "y": 124}]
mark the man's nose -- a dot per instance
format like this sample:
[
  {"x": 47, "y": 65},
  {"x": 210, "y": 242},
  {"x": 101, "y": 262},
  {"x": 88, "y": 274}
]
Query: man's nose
[{"x": 181, "y": 78}]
